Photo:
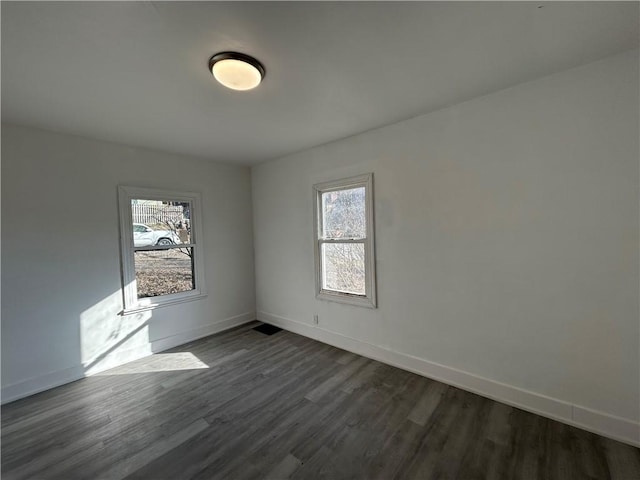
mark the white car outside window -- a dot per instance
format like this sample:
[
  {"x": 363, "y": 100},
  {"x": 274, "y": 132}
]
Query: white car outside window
[{"x": 144, "y": 236}]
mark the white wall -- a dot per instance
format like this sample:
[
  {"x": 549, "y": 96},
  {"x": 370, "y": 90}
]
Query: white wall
[
  {"x": 61, "y": 287},
  {"x": 507, "y": 245}
]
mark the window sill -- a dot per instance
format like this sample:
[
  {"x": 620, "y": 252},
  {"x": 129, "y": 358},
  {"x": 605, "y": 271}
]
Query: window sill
[
  {"x": 164, "y": 303},
  {"x": 355, "y": 300}
]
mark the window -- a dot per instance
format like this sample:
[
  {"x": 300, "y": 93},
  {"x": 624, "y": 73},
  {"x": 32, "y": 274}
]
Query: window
[
  {"x": 344, "y": 244},
  {"x": 161, "y": 237}
]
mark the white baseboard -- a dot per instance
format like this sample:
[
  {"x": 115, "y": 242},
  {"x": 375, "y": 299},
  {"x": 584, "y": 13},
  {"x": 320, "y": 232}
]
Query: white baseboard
[
  {"x": 50, "y": 380},
  {"x": 41, "y": 383},
  {"x": 598, "y": 422},
  {"x": 161, "y": 344}
]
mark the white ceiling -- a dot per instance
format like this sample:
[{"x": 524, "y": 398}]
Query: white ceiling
[{"x": 136, "y": 72}]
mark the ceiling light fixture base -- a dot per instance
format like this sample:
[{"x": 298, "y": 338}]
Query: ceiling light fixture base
[{"x": 236, "y": 70}]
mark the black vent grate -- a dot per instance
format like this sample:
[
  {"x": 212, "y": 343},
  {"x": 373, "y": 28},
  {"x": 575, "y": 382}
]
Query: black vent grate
[{"x": 267, "y": 329}]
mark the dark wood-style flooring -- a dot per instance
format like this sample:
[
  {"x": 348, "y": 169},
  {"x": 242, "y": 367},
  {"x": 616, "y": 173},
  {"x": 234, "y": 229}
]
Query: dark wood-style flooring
[{"x": 243, "y": 405}]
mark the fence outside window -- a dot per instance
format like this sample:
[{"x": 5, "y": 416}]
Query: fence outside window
[{"x": 152, "y": 214}]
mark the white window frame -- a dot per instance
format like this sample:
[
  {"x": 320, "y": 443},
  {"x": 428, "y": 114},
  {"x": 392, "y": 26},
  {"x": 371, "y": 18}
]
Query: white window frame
[
  {"x": 132, "y": 303},
  {"x": 369, "y": 299}
]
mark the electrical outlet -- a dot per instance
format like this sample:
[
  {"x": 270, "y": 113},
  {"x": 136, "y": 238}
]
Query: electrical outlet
[{"x": 315, "y": 319}]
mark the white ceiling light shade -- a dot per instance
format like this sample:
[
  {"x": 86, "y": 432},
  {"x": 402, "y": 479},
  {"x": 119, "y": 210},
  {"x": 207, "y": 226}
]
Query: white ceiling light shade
[{"x": 236, "y": 70}]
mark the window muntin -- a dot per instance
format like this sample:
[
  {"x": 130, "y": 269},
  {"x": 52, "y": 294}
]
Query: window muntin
[
  {"x": 344, "y": 243},
  {"x": 161, "y": 256}
]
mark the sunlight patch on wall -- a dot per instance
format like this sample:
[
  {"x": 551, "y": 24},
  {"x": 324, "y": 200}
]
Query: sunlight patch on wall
[
  {"x": 160, "y": 362},
  {"x": 108, "y": 338}
]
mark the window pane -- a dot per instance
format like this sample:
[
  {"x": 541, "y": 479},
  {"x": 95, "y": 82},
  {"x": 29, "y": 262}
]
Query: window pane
[
  {"x": 343, "y": 214},
  {"x": 161, "y": 272},
  {"x": 160, "y": 222},
  {"x": 343, "y": 267}
]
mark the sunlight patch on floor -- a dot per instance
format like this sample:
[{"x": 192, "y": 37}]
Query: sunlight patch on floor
[{"x": 159, "y": 362}]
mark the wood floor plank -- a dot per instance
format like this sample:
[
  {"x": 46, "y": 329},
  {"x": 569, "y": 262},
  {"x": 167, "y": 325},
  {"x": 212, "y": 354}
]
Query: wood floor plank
[
  {"x": 320, "y": 467},
  {"x": 346, "y": 358},
  {"x": 623, "y": 461},
  {"x": 590, "y": 458},
  {"x": 396, "y": 452},
  {"x": 285, "y": 469},
  {"x": 337, "y": 379},
  {"x": 154, "y": 450},
  {"x": 427, "y": 403},
  {"x": 285, "y": 406},
  {"x": 487, "y": 458},
  {"x": 243, "y": 426}
]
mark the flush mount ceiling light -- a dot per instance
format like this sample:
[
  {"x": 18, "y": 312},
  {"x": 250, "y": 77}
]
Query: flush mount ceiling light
[{"x": 236, "y": 70}]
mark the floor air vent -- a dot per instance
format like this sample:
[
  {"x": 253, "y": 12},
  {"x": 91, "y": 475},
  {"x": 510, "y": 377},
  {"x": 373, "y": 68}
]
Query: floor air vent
[{"x": 267, "y": 329}]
